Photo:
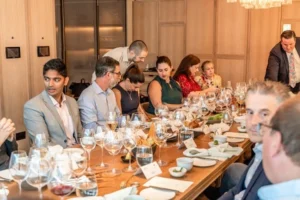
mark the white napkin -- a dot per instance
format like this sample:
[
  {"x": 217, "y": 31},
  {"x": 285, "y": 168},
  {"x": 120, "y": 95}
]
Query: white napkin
[
  {"x": 222, "y": 126},
  {"x": 237, "y": 135},
  {"x": 5, "y": 174},
  {"x": 54, "y": 150},
  {"x": 120, "y": 194}
]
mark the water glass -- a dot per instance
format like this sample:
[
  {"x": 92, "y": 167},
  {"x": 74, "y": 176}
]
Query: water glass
[
  {"x": 40, "y": 140},
  {"x": 144, "y": 155},
  {"x": 87, "y": 185},
  {"x": 186, "y": 134}
]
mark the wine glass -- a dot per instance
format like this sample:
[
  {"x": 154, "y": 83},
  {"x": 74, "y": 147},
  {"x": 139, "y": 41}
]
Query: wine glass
[
  {"x": 99, "y": 138},
  {"x": 88, "y": 143},
  {"x": 186, "y": 134},
  {"x": 160, "y": 137},
  {"x": 113, "y": 144},
  {"x": 162, "y": 111},
  {"x": 240, "y": 98},
  {"x": 144, "y": 155},
  {"x": 18, "y": 167},
  {"x": 40, "y": 140},
  {"x": 39, "y": 174},
  {"x": 186, "y": 102},
  {"x": 129, "y": 143},
  {"x": 87, "y": 185},
  {"x": 179, "y": 117},
  {"x": 137, "y": 120},
  {"x": 112, "y": 120},
  {"x": 123, "y": 120},
  {"x": 60, "y": 184}
]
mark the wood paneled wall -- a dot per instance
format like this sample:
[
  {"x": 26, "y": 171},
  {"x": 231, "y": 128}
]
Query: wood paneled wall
[
  {"x": 236, "y": 39},
  {"x": 23, "y": 23}
]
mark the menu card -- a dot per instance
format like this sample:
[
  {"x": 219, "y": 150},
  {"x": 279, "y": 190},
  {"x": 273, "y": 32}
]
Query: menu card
[{"x": 150, "y": 170}]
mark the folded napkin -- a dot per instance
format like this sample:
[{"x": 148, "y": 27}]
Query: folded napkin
[
  {"x": 5, "y": 174},
  {"x": 120, "y": 194},
  {"x": 236, "y": 135},
  {"x": 54, "y": 150}
]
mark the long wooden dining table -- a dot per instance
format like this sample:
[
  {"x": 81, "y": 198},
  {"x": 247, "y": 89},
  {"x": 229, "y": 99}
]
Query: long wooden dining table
[{"x": 202, "y": 178}]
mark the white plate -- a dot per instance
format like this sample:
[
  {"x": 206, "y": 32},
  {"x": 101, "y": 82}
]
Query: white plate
[
  {"x": 74, "y": 150},
  {"x": 235, "y": 140},
  {"x": 236, "y": 135},
  {"x": 87, "y": 198},
  {"x": 242, "y": 130},
  {"x": 157, "y": 194},
  {"x": 204, "y": 163},
  {"x": 224, "y": 127}
]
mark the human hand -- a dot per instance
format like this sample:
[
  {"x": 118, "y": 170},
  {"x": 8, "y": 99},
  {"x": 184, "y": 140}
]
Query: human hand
[{"x": 7, "y": 127}]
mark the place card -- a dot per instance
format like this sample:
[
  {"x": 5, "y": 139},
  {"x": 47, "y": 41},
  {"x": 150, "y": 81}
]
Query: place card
[
  {"x": 190, "y": 143},
  {"x": 141, "y": 133},
  {"x": 151, "y": 170}
]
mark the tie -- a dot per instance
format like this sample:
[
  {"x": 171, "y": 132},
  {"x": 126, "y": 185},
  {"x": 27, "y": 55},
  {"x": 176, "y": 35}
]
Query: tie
[{"x": 292, "y": 73}]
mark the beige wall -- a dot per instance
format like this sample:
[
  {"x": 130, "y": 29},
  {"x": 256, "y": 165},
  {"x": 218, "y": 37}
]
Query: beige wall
[
  {"x": 26, "y": 24},
  {"x": 236, "y": 39}
]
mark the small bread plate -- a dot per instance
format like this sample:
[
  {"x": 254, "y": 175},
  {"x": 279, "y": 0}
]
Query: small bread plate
[
  {"x": 73, "y": 150},
  {"x": 198, "y": 162},
  {"x": 177, "y": 171},
  {"x": 157, "y": 194},
  {"x": 235, "y": 140},
  {"x": 242, "y": 130}
]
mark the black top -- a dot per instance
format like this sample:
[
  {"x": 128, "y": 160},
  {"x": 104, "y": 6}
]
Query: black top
[{"x": 129, "y": 100}]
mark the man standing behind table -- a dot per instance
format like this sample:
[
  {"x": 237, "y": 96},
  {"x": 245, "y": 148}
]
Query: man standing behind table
[
  {"x": 52, "y": 112},
  {"x": 262, "y": 101},
  {"x": 135, "y": 53},
  {"x": 98, "y": 99},
  {"x": 284, "y": 61},
  {"x": 281, "y": 153}
]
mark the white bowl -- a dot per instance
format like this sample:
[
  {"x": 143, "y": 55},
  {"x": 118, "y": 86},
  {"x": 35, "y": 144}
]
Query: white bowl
[
  {"x": 180, "y": 171},
  {"x": 187, "y": 163},
  {"x": 220, "y": 138}
]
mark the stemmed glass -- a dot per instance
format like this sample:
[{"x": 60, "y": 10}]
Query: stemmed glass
[
  {"x": 160, "y": 137},
  {"x": 99, "y": 138},
  {"x": 60, "y": 183},
  {"x": 113, "y": 144},
  {"x": 18, "y": 167},
  {"x": 112, "y": 120},
  {"x": 87, "y": 186},
  {"x": 240, "y": 98},
  {"x": 129, "y": 143},
  {"x": 179, "y": 117},
  {"x": 137, "y": 120},
  {"x": 88, "y": 143},
  {"x": 79, "y": 163},
  {"x": 40, "y": 140},
  {"x": 162, "y": 111},
  {"x": 144, "y": 155},
  {"x": 39, "y": 173},
  {"x": 123, "y": 121}
]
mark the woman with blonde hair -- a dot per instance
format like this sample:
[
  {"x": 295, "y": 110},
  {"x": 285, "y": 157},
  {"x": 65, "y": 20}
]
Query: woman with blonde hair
[{"x": 208, "y": 77}]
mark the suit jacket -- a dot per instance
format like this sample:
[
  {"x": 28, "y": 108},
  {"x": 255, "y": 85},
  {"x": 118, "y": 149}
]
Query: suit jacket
[
  {"x": 41, "y": 116},
  {"x": 258, "y": 180},
  {"x": 278, "y": 64}
]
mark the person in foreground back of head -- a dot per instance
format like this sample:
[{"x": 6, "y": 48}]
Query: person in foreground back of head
[
  {"x": 52, "y": 112},
  {"x": 262, "y": 101},
  {"x": 281, "y": 153}
]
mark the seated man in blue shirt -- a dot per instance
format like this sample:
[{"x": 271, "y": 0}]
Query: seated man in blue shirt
[
  {"x": 262, "y": 101},
  {"x": 98, "y": 99},
  {"x": 281, "y": 153}
]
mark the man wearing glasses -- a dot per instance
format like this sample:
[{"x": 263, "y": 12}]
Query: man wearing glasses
[
  {"x": 98, "y": 99},
  {"x": 262, "y": 101},
  {"x": 135, "y": 53},
  {"x": 281, "y": 153}
]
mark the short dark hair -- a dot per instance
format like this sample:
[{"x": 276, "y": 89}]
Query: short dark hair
[
  {"x": 288, "y": 34},
  {"x": 104, "y": 65},
  {"x": 138, "y": 46},
  {"x": 185, "y": 64},
  {"x": 57, "y": 65},
  {"x": 134, "y": 74},
  {"x": 205, "y": 63},
  {"x": 285, "y": 122},
  {"x": 163, "y": 59}
]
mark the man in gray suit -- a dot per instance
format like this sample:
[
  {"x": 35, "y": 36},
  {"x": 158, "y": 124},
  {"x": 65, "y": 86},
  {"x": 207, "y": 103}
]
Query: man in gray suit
[
  {"x": 51, "y": 112},
  {"x": 284, "y": 61}
]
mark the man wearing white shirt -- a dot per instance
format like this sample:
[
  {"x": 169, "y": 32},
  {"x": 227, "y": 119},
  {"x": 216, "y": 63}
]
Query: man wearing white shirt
[
  {"x": 52, "y": 112},
  {"x": 135, "y": 53},
  {"x": 281, "y": 153}
]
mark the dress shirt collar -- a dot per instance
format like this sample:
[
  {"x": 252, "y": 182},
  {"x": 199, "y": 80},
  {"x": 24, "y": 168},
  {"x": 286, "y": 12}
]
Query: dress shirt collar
[
  {"x": 55, "y": 103},
  {"x": 99, "y": 90},
  {"x": 258, "y": 151},
  {"x": 125, "y": 54},
  {"x": 286, "y": 190}
]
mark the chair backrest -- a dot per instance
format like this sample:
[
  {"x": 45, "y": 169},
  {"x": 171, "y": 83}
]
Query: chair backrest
[{"x": 145, "y": 106}]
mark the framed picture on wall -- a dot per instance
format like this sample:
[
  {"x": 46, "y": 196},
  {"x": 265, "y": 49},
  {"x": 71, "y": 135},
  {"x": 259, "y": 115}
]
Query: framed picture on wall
[
  {"x": 13, "y": 52},
  {"x": 43, "y": 51}
]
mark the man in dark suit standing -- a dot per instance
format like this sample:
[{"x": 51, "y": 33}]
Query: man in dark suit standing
[{"x": 284, "y": 61}]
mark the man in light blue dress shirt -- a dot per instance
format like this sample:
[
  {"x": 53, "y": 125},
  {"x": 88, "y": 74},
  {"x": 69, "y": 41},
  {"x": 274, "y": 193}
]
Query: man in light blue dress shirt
[
  {"x": 98, "y": 99},
  {"x": 262, "y": 101},
  {"x": 281, "y": 153}
]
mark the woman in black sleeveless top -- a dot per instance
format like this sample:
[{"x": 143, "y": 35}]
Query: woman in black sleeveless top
[{"x": 127, "y": 91}]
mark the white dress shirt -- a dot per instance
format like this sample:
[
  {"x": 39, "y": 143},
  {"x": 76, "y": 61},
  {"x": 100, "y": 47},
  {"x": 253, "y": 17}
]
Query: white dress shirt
[{"x": 66, "y": 118}]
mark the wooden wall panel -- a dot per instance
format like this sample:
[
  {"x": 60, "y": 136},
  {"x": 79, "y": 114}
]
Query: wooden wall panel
[
  {"x": 172, "y": 11},
  {"x": 231, "y": 70},
  {"x": 200, "y": 27},
  {"x": 263, "y": 35},
  {"x": 14, "y": 78},
  {"x": 41, "y": 29},
  {"x": 291, "y": 11},
  {"x": 171, "y": 42},
  {"x": 231, "y": 28}
]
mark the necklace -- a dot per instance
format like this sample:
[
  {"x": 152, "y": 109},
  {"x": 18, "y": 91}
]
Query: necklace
[{"x": 129, "y": 94}]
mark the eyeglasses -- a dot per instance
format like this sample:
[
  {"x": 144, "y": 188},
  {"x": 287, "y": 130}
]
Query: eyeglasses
[
  {"x": 117, "y": 73},
  {"x": 263, "y": 128}
]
